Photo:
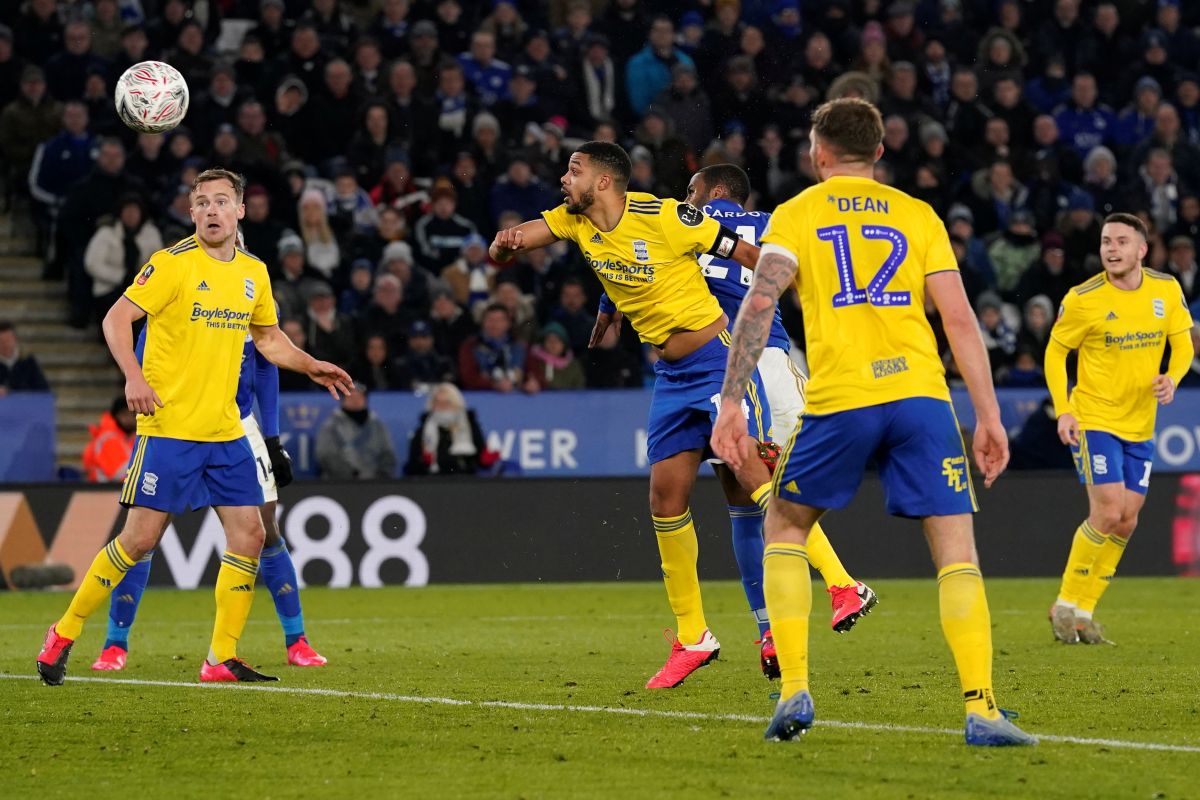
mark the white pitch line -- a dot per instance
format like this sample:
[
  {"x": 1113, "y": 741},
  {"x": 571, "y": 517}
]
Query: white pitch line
[{"x": 630, "y": 712}]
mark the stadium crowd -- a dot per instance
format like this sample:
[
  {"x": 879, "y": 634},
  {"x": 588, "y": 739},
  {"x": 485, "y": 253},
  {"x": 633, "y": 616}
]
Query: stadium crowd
[{"x": 385, "y": 142}]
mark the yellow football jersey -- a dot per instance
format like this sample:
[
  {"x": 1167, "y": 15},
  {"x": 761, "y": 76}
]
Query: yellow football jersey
[
  {"x": 1120, "y": 336},
  {"x": 863, "y": 250},
  {"x": 647, "y": 263},
  {"x": 200, "y": 310}
]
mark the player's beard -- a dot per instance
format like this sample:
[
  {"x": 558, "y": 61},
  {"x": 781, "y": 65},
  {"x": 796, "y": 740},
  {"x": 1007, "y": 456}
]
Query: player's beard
[
  {"x": 1122, "y": 271},
  {"x": 586, "y": 199}
]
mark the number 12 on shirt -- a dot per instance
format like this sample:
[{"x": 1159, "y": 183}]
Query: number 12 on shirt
[{"x": 851, "y": 294}]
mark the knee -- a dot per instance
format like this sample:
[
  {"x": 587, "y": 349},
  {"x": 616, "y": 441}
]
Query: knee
[
  {"x": 1128, "y": 523},
  {"x": 137, "y": 543},
  {"x": 1107, "y": 519},
  {"x": 667, "y": 501}
]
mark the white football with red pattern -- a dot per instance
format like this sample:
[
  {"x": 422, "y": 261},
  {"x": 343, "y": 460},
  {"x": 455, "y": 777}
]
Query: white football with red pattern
[{"x": 151, "y": 97}]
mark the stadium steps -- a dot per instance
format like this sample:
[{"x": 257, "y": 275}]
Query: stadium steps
[{"x": 77, "y": 365}]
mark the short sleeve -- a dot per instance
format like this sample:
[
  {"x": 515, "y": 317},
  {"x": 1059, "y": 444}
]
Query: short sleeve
[
  {"x": 782, "y": 234},
  {"x": 561, "y": 223},
  {"x": 156, "y": 285},
  {"x": 264, "y": 305},
  {"x": 1072, "y": 325},
  {"x": 686, "y": 228},
  {"x": 939, "y": 255}
]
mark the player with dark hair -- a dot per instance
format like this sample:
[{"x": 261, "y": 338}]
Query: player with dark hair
[
  {"x": 202, "y": 297},
  {"x": 862, "y": 256},
  {"x": 1119, "y": 321},
  {"x": 643, "y": 249}
]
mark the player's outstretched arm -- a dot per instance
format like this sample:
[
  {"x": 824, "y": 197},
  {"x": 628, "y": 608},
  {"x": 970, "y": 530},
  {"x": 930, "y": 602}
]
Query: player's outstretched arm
[
  {"x": 527, "y": 236},
  {"x": 772, "y": 274},
  {"x": 747, "y": 255},
  {"x": 277, "y": 348},
  {"x": 966, "y": 342},
  {"x": 118, "y": 333}
]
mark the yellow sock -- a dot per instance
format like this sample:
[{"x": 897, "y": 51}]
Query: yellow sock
[
  {"x": 1084, "y": 549},
  {"x": 235, "y": 594},
  {"x": 825, "y": 561},
  {"x": 1103, "y": 570},
  {"x": 967, "y": 626},
  {"x": 106, "y": 571},
  {"x": 678, "y": 549},
  {"x": 788, "y": 589}
]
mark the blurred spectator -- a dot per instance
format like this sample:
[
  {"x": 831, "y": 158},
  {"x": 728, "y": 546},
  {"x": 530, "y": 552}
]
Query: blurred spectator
[
  {"x": 598, "y": 88},
  {"x": 615, "y": 362},
  {"x": 32, "y": 118},
  {"x": 330, "y": 335},
  {"x": 1168, "y": 136},
  {"x": 367, "y": 63},
  {"x": 351, "y": 210},
  {"x": 486, "y": 74},
  {"x": 38, "y": 34},
  {"x": 370, "y": 145},
  {"x": 1014, "y": 251},
  {"x": 321, "y": 251},
  {"x": 1037, "y": 446},
  {"x": 106, "y": 455},
  {"x": 1181, "y": 263},
  {"x": 960, "y": 222},
  {"x": 390, "y": 27},
  {"x": 1035, "y": 333},
  {"x": 447, "y": 439},
  {"x": 521, "y": 308},
  {"x": 521, "y": 191},
  {"x": 294, "y": 381},
  {"x": 1158, "y": 189},
  {"x": 573, "y": 315},
  {"x": 440, "y": 233},
  {"x": 295, "y": 280},
  {"x": 385, "y": 316},
  {"x": 649, "y": 72},
  {"x": 377, "y": 368},
  {"x": 451, "y": 325},
  {"x": 209, "y": 110},
  {"x": 274, "y": 31},
  {"x": 397, "y": 260},
  {"x": 1080, "y": 229},
  {"x": 11, "y": 66},
  {"x": 993, "y": 195},
  {"x": 1136, "y": 120},
  {"x": 673, "y": 164},
  {"x": 423, "y": 365},
  {"x": 133, "y": 46},
  {"x": 261, "y": 231},
  {"x": 999, "y": 335},
  {"x": 965, "y": 115},
  {"x": 336, "y": 105},
  {"x": 353, "y": 443},
  {"x": 471, "y": 277},
  {"x": 1048, "y": 277},
  {"x": 58, "y": 163},
  {"x": 355, "y": 298},
  {"x": 67, "y": 69},
  {"x": 189, "y": 55},
  {"x": 1188, "y": 223},
  {"x": 118, "y": 250},
  {"x": 19, "y": 372},
  {"x": 1084, "y": 122},
  {"x": 687, "y": 105},
  {"x": 551, "y": 364},
  {"x": 493, "y": 359},
  {"x": 1100, "y": 180}
]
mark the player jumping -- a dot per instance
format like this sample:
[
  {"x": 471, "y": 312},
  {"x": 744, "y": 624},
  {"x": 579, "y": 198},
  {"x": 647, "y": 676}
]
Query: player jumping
[
  {"x": 1119, "y": 321},
  {"x": 202, "y": 297},
  {"x": 643, "y": 250},
  {"x": 862, "y": 256}
]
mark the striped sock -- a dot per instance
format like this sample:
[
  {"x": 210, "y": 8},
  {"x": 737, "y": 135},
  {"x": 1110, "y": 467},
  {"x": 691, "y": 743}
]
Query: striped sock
[
  {"x": 235, "y": 594},
  {"x": 967, "y": 626},
  {"x": 1104, "y": 568},
  {"x": 788, "y": 588},
  {"x": 126, "y": 597},
  {"x": 1085, "y": 547},
  {"x": 106, "y": 571},
  {"x": 678, "y": 550}
]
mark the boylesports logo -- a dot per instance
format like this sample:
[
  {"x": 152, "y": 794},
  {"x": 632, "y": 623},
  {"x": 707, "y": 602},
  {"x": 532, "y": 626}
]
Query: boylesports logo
[
  {"x": 689, "y": 215},
  {"x": 955, "y": 470},
  {"x": 145, "y": 276},
  {"x": 203, "y": 287},
  {"x": 621, "y": 273},
  {"x": 199, "y": 312},
  {"x": 149, "y": 484}
]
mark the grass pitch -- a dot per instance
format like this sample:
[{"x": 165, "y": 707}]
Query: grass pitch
[{"x": 551, "y": 681}]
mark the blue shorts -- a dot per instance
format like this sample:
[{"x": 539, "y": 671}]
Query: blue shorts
[
  {"x": 176, "y": 475},
  {"x": 687, "y": 396},
  {"x": 1103, "y": 458},
  {"x": 915, "y": 441}
]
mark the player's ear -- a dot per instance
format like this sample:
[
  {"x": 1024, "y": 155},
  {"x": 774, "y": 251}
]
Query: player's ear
[{"x": 241, "y": 212}]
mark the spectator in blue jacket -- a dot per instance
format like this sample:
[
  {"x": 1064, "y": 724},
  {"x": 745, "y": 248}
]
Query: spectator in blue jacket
[
  {"x": 486, "y": 73},
  {"x": 649, "y": 71},
  {"x": 521, "y": 191},
  {"x": 1136, "y": 121},
  {"x": 19, "y": 372},
  {"x": 59, "y": 163},
  {"x": 1082, "y": 122}
]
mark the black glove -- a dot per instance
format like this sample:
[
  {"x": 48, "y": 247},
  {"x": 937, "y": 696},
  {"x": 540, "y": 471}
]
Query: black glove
[{"x": 281, "y": 462}]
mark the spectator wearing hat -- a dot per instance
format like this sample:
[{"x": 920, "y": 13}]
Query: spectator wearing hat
[
  {"x": 440, "y": 233},
  {"x": 292, "y": 117},
  {"x": 905, "y": 41},
  {"x": 1061, "y": 34},
  {"x": 19, "y": 371},
  {"x": 872, "y": 58},
  {"x": 1050, "y": 89},
  {"x": 328, "y": 332},
  {"x": 551, "y": 155},
  {"x": 397, "y": 260},
  {"x": 1155, "y": 62},
  {"x": 260, "y": 229},
  {"x": 117, "y": 250},
  {"x": 354, "y": 443},
  {"x": 649, "y": 72},
  {"x": 1187, "y": 103},
  {"x": 451, "y": 324},
  {"x": 492, "y": 360},
  {"x": 785, "y": 32},
  {"x": 1136, "y": 120},
  {"x": 687, "y": 105},
  {"x": 1035, "y": 329},
  {"x": 521, "y": 190},
  {"x": 425, "y": 55},
  {"x": 471, "y": 277},
  {"x": 597, "y": 93},
  {"x": 999, "y": 332},
  {"x": 274, "y": 30},
  {"x": 386, "y": 315},
  {"x": 355, "y": 298},
  {"x": 448, "y": 439},
  {"x": 551, "y": 363},
  {"x": 422, "y": 364},
  {"x": 1014, "y": 251},
  {"x": 295, "y": 280},
  {"x": 32, "y": 118},
  {"x": 1100, "y": 180},
  {"x": 107, "y": 454},
  {"x": 960, "y": 222},
  {"x": 1084, "y": 122},
  {"x": 1181, "y": 263},
  {"x": 1080, "y": 226},
  {"x": 1000, "y": 53}
]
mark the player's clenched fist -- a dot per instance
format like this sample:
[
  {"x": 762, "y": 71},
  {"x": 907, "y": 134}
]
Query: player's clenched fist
[
  {"x": 140, "y": 397},
  {"x": 506, "y": 243}
]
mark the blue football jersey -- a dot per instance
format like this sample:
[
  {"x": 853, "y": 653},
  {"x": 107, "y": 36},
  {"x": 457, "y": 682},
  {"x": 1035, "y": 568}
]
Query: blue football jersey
[{"x": 728, "y": 280}]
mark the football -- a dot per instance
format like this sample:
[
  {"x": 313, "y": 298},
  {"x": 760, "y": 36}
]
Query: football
[{"x": 151, "y": 97}]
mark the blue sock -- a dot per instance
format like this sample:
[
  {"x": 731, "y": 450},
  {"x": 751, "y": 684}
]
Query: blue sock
[
  {"x": 747, "y": 524},
  {"x": 123, "y": 606},
  {"x": 279, "y": 574}
]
